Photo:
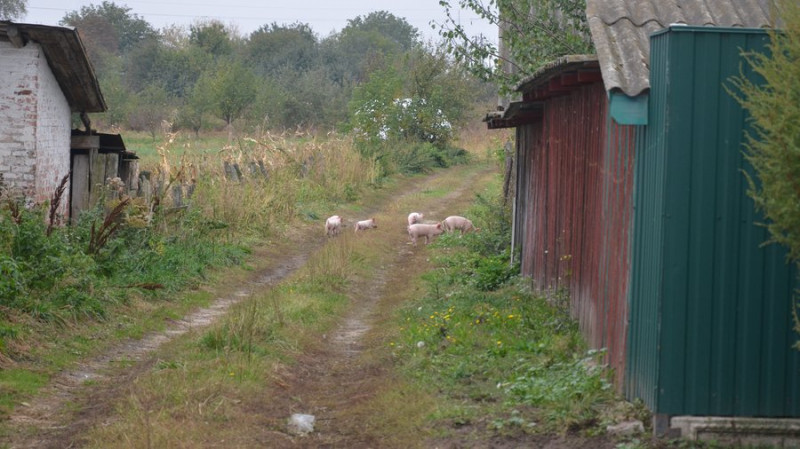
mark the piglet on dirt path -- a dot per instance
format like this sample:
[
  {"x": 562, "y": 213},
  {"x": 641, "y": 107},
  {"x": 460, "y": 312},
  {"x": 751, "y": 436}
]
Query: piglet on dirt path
[
  {"x": 429, "y": 231},
  {"x": 365, "y": 224},
  {"x": 333, "y": 225},
  {"x": 414, "y": 217},
  {"x": 457, "y": 223}
]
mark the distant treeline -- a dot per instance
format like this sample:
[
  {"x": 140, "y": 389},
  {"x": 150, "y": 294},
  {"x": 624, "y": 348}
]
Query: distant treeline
[{"x": 279, "y": 77}]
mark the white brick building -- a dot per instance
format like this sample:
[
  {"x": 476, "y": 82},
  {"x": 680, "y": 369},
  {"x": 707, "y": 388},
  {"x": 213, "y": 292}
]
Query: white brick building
[{"x": 45, "y": 76}]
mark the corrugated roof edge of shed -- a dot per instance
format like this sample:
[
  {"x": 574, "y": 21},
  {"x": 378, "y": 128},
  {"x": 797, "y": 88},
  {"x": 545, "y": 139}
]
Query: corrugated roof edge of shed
[
  {"x": 72, "y": 68},
  {"x": 543, "y": 84},
  {"x": 679, "y": 27},
  {"x": 621, "y": 31},
  {"x": 564, "y": 63}
]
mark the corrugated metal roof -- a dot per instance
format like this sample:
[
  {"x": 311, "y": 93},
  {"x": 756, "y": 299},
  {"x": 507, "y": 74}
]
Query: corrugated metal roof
[
  {"x": 567, "y": 62},
  {"x": 556, "y": 78},
  {"x": 621, "y": 31},
  {"x": 67, "y": 58}
]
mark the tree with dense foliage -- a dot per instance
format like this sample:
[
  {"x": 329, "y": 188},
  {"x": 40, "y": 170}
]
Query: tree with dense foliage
[
  {"x": 213, "y": 37},
  {"x": 773, "y": 146},
  {"x": 386, "y": 24},
  {"x": 367, "y": 43},
  {"x": 110, "y": 26},
  {"x": 234, "y": 89},
  {"x": 150, "y": 109},
  {"x": 13, "y": 9},
  {"x": 198, "y": 104},
  {"x": 280, "y": 76},
  {"x": 419, "y": 98},
  {"x": 273, "y": 48},
  {"x": 534, "y": 32},
  {"x": 116, "y": 94}
]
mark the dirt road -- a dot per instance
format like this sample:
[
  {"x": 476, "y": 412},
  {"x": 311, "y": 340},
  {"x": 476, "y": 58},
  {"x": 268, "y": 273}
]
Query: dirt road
[{"x": 335, "y": 375}]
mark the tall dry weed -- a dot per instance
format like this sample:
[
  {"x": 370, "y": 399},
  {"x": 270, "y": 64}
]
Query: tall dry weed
[
  {"x": 480, "y": 141},
  {"x": 258, "y": 183}
]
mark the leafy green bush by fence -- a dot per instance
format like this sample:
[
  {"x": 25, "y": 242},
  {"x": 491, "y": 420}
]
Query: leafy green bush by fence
[
  {"x": 504, "y": 354},
  {"x": 772, "y": 145},
  {"x": 56, "y": 277}
]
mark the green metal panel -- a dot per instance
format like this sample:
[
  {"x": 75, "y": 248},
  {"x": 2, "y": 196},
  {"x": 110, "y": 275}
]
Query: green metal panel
[
  {"x": 710, "y": 330},
  {"x": 644, "y": 305},
  {"x": 641, "y": 366},
  {"x": 627, "y": 110}
]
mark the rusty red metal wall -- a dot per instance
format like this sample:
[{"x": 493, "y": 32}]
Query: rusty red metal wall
[{"x": 573, "y": 212}]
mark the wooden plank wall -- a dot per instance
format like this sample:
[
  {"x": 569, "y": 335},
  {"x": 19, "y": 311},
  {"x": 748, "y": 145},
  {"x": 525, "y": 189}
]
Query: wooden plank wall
[{"x": 574, "y": 209}]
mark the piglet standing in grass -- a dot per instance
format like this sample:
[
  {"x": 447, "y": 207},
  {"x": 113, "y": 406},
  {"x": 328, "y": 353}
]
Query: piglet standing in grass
[
  {"x": 333, "y": 225},
  {"x": 414, "y": 217},
  {"x": 365, "y": 224},
  {"x": 429, "y": 231},
  {"x": 456, "y": 223}
]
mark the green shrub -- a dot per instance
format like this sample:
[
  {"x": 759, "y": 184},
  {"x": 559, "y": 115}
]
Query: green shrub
[
  {"x": 12, "y": 280},
  {"x": 503, "y": 354},
  {"x": 772, "y": 145},
  {"x": 412, "y": 159},
  {"x": 493, "y": 272},
  {"x": 55, "y": 277},
  {"x": 568, "y": 391}
]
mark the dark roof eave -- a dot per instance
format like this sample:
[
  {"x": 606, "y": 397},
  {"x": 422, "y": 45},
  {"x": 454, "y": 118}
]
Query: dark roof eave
[
  {"x": 518, "y": 113},
  {"x": 68, "y": 60},
  {"x": 559, "y": 66}
]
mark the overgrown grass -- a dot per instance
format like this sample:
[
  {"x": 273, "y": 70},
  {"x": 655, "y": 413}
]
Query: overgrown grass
[
  {"x": 68, "y": 276},
  {"x": 65, "y": 295},
  {"x": 127, "y": 253},
  {"x": 210, "y": 386},
  {"x": 504, "y": 359},
  {"x": 146, "y": 148},
  {"x": 149, "y": 244},
  {"x": 210, "y": 380},
  {"x": 282, "y": 180}
]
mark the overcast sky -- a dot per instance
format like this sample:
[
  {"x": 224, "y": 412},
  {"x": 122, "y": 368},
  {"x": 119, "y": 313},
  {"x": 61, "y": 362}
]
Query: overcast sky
[{"x": 324, "y": 16}]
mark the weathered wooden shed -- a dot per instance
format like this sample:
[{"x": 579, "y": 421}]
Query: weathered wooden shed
[
  {"x": 584, "y": 152},
  {"x": 95, "y": 158},
  {"x": 45, "y": 78},
  {"x": 573, "y": 188}
]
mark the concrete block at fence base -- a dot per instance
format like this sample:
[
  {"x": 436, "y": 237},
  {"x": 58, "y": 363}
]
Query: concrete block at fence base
[
  {"x": 774, "y": 432},
  {"x": 626, "y": 428}
]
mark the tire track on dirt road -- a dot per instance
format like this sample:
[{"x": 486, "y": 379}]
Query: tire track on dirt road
[
  {"x": 336, "y": 380},
  {"x": 46, "y": 418},
  {"x": 80, "y": 397}
]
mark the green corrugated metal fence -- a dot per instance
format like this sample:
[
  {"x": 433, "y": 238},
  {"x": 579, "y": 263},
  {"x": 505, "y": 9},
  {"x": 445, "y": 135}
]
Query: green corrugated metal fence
[{"x": 710, "y": 325}]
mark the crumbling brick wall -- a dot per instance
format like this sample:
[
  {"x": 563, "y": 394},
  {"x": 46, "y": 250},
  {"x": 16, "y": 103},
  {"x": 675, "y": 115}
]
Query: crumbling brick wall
[{"x": 35, "y": 124}]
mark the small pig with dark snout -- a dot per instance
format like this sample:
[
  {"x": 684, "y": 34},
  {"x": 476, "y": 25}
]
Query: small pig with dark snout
[
  {"x": 429, "y": 231},
  {"x": 414, "y": 217},
  {"x": 457, "y": 223},
  {"x": 366, "y": 224}
]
